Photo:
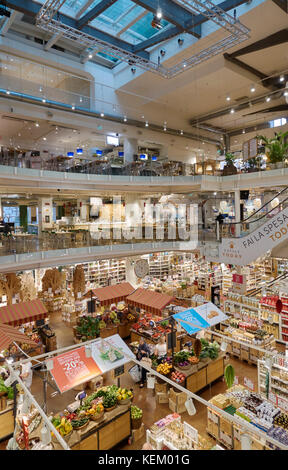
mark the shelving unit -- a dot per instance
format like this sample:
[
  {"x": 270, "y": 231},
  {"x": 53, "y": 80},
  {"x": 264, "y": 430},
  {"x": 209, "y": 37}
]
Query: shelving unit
[{"x": 278, "y": 382}]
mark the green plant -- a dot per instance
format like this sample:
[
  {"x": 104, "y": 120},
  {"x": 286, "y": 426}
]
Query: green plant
[
  {"x": 8, "y": 390},
  {"x": 229, "y": 158},
  {"x": 229, "y": 375},
  {"x": 276, "y": 147},
  {"x": 89, "y": 326},
  {"x": 181, "y": 356}
]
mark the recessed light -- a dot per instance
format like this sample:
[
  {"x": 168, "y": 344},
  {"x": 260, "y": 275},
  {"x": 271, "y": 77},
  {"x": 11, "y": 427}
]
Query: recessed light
[
  {"x": 90, "y": 56},
  {"x": 102, "y": 114},
  {"x": 37, "y": 124},
  {"x": 252, "y": 89},
  {"x": 282, "y": 78},
  {"x": 228, "y": 98},
  {"x": 267, "y": 99},
  {"x": 181, "y": 132},
  {"x": 146, "y": 124},
  {"x": 44, "y": 138},
  {"x": 73, "y": 107},
  {"x": 159, "y": 14},
  {"x": 243, "y": 132},
  {"x": 285, "y": 93},
  {"x": 232, "y": 111},
  {"x": 43, "y": 100},
  {"x": 125, "y": 119}
]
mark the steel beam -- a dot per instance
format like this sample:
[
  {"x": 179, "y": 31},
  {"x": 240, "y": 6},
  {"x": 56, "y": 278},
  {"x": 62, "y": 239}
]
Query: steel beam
[
  {"x": 31, "y": 8},
  {"x": 267, "y": 82},
  {"x": 157, "y": 38},
  {"x": 83, "y": 9},
  {"x": 273, "y": 40},
  {"x": 171, "y": 12},
  {"x": 52, "y": 41},
  {"x": 9, "y": 21},
  {"x": 94, "y": 12}
]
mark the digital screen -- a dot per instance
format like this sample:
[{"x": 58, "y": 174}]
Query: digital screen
[
  {"x": 154, "y": 158},
  {"x": 143, "y": 157},
  {"x": 99, "y": 152},
  {"x": 111, "y": 140},
  {"x": 120, "y": 154},
  {"x": 79, "y": 151},
  {"x": 70, "y": 154}
]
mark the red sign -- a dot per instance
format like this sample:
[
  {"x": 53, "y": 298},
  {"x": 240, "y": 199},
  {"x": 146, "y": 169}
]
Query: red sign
[
  {"x": 238, "y": 278},
  {"x": 73, "y": 368}
]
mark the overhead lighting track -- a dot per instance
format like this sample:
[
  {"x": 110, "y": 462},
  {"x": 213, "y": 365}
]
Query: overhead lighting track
[{"x": 238, "y": 33}]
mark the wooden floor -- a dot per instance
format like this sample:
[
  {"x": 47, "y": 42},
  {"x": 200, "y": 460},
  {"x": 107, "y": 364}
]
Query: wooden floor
[{"x": 144, "y": 398}]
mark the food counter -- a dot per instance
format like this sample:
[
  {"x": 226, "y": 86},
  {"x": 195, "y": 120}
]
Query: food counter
[
  {"x": 6, "y": 423},
  {"x": 135, "y": 336},
  {"x": 202, "y": 374},
  {"x": 115, "y": 427}
]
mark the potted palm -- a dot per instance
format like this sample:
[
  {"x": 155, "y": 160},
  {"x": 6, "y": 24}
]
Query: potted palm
[
  {"x": 276, "y": 148},
  {"x": 229, "y": 168}
]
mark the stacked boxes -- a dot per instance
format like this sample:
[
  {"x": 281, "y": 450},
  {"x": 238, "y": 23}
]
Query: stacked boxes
[
  {"x": 177, "y": 401},
  {"x": 137, "y": 434},
  {"x": 162, "y": 393}
]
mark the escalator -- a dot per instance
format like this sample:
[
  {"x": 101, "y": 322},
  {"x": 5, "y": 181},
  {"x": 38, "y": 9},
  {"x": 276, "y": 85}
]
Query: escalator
[{"x": 243, "y": 242}]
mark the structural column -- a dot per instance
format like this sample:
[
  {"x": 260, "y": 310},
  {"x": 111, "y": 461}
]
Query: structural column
[
  {"x": 83, "y": 210},
  {"x": 130, "y": 149},
  {"x": 45, "y": 213},
  {"x": 237, "y": 212}
]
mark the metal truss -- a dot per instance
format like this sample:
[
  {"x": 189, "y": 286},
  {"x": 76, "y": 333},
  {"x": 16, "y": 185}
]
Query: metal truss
[{"x": 238, "y": 34}]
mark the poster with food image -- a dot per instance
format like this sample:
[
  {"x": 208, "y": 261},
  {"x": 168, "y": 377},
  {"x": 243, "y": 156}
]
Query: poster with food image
[
  {"x": 211, "y": 314},
  {"x": 111, "y": 352},
  {"x": 191, "y": 321}
]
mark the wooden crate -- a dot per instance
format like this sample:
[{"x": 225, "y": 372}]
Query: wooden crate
[
  {"x": 176, "y": 408},
  {"x": 107, "y": 332},
  {"x": 178, "y": 398},
  {"x": 6, "y": 423},
  {"x": 226, "y": 426},
  {"x": 137, "y": 434},
  {"x": 162, "y": 397}
]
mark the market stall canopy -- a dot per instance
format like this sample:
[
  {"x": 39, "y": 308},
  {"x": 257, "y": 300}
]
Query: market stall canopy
[
  {"x": 110, "y": 294},
  {"x": 10, "y": 335},
  {"x": 199, "y": 318},
  {"x": 24, "y": 312},
  {"x": 152, "y": 302}
]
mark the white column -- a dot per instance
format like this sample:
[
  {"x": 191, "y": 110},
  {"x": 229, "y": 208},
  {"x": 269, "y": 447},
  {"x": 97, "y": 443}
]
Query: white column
[
  {"x": 237, "y": 212},
  {"x": 45, "y": 213},
  {"x": 130, "y": 149},
  {"x": 83, "y": 209}
]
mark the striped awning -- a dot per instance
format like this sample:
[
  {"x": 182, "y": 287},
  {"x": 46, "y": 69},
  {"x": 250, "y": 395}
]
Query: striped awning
[
  {"x": 110, "y": 294},
  {"x": 24, "y": 312},
  {"x": 151, "y": 301},
  {"x": 9, "y": 335}
]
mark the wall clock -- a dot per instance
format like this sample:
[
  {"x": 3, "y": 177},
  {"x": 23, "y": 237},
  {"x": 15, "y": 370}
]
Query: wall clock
[{"x": 141, "y": 268}]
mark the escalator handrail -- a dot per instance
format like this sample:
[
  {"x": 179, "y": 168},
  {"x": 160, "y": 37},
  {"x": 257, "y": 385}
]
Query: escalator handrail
[
  {"x": 260, "y": 208},
  {"x": 253, "y": 221}
]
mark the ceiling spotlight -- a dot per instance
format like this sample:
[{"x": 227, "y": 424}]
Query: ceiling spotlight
[
  {"x": 37, "y": 124},
  {"x": 90, "y": 55},
  {"x": 164, "y": 128},
  {"x": 180, "y": 41},
  {"x": 285, "y": 93},
  {"x": 156, "y": 23},
  {"x": 243, "y": 132},
  {"x": 125, "y": 119},
  {"x": 228, "y": 98},
  {"x": 181, "y": 132},
  {"x": 146, "y": 124},
  {"x": 159, "y": 14},
  {"x": 43, "y": 100},
  {"x": 184, "y": 64},
  {"x": 80, "y": 99},
  {"x": 102, "y": 114},
  {"x": 282, "y": 78},
  {"x": 252, "y": 89},
  {"x": 73, "y": 107},
  {"x": 44, "y": 138},
  {"x": 267, "y": 99},
  {"x": 232, "y": 111},
  {"x": 7, "y": 92}
]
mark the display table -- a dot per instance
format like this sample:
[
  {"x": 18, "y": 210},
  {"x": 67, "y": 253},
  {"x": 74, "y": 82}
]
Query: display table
[
  {"x": 6, "y": 423},
  {"x": 115, "y": 427},
  {"x": 202, "y": 374}
]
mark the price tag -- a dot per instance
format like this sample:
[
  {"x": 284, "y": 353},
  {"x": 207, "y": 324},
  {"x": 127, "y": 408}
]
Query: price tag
[{"x": 248, "y": 383}]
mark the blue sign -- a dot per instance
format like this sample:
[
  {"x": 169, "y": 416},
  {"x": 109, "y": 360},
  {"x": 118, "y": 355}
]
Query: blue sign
[
  {"x": 120, "y": 154},
  {"x": 194, "y": 321},
  {"x": 99, "y": 152},
  {"x": 154, "y": 158},
  {"x": 143, "y": 157},
  {"x": 70, "y": 154},
  {"x": 79, "y": 151}
]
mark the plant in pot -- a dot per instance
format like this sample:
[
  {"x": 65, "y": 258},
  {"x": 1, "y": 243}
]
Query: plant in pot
[
  {"x": 253, "y": 164},
  {"x": 136, "y": 417},
  {"x": 276, "y": 148},
  {"x": 229, "y": 168}
]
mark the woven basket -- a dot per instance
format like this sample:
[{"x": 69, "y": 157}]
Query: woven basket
[
  {"x": 136, "y": 423},
  {"x": 81, "y": 427},
  {"x": 110, "y": 409},
  {"x": 97, "y": 417},
  {"x": 184, "y": 367}
]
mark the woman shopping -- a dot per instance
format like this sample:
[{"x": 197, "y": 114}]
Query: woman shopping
[
  {"x": 161, "y": 348},
  {"x": 143, "y": 352}
]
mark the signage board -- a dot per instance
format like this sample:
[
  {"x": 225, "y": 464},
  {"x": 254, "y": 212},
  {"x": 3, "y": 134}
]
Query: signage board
[
  {"x": 110, "y": 353},
  {"x": 191, "y": 321},
  {"x": 211, "y": 313}
]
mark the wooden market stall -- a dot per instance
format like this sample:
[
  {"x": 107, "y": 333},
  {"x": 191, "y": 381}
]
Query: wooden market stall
[
  {"x": 26, "y": 313},
  {"x": 150, "y": 301},
  {"x": 111, "y": 294}
]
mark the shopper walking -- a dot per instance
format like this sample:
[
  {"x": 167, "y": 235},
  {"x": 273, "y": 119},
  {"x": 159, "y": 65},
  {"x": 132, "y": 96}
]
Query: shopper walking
[
  {"x": 161, "y": 348},
  {"x": 143, "y": 352}
]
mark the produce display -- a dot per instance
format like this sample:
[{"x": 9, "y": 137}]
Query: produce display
[
  {"x": 178, "y": 377},
  {"x": 144, "y": 327},
  {"x": 79, "y": 422},
  {"x": 124, "y": 394},
  {"x": 63, "y": 425},
  {"x": 87, "y": 328},
  {"x": 136, "y": 413},
  {"x": 164, "y": 368}
]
